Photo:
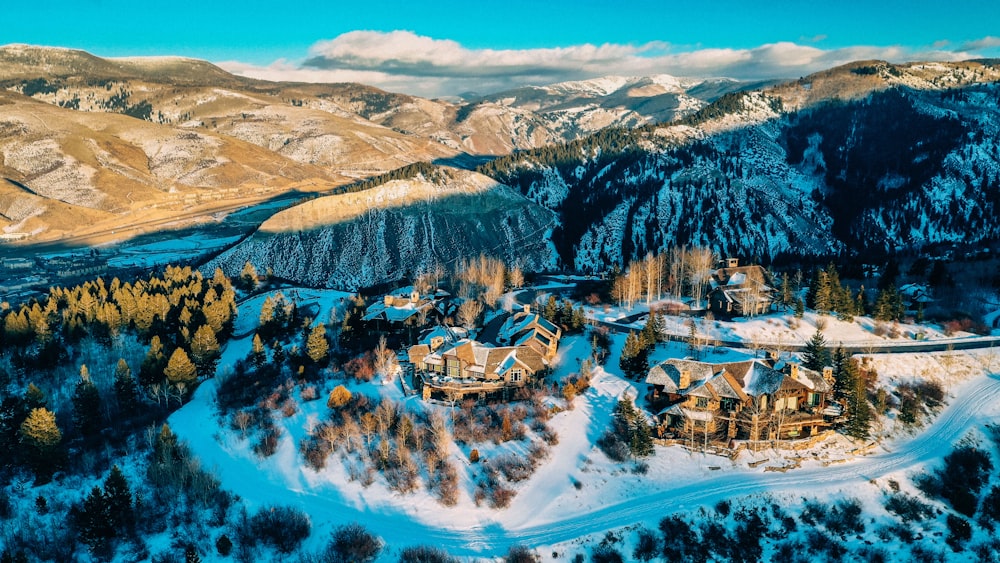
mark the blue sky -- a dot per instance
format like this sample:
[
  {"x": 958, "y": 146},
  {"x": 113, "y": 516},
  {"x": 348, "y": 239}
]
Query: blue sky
[{"x": 441, "y": 48}]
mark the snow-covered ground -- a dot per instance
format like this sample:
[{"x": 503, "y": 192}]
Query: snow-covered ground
[{"x": 577, "y": 492}]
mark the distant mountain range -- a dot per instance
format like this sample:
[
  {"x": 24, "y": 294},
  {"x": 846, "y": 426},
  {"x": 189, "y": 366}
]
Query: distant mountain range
[
  {"x": 80, "y": 157},
  {"x": 866, "y": 158}
]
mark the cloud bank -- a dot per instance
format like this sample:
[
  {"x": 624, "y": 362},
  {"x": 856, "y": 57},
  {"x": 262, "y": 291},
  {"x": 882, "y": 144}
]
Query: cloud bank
[{"x": 402, "y": 61}]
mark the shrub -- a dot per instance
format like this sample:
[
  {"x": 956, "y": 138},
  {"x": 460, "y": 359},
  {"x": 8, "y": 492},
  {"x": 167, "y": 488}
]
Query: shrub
[
  {"x": 606, "y": 554},
  {"x": 224, "y": 545},
  {"x": 959, "y": 532},
  {"x": 845, "y": 517},
  {"x": 474, "y": 456},
  {"x": 352, "y": 544},
  {"x": 281, "y": 527},
  {"x": 647, "y": 545},
  {"x": 425, "y": 554},
  {"x": 520, "y": 554},
  {"x": 908, "y": 508},
  {"x": 268, "y": 443},
  {"x": 613, "y": 447}
]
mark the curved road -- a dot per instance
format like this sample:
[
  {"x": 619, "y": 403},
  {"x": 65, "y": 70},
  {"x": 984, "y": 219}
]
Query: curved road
[{"x": 978, "y": 401}]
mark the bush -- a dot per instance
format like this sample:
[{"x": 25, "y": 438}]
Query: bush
[
  {"x": 425, "y": 554},
  {"x": 908, "y": 508},
  {"x": 352, "y": 544},
  {"x": 268, "y": 443},
  {"x": 520, "y": 554},
  {"x": 606, "y": 554},
  {"x": 281, "y": 527},
  {"x": 613, "y": 447},
  {"x": 959, "y": 532},
  {"x": 647, "y": 545},
  {"x": 224, "y": 545},
  {"x": 845, "y": 517}
]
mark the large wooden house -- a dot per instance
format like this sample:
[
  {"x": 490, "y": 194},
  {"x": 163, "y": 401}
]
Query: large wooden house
[
  {"x": 738, "y": 291},
  {"x": 749, "y": 400},
  {"x": 456, "y": 370}
]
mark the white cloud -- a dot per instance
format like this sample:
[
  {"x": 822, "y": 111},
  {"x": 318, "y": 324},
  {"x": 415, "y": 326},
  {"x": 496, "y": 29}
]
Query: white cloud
[{"x": 403, "y": 61}]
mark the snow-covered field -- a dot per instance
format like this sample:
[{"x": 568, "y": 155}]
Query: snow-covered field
[{"x": 551, "y": 512}]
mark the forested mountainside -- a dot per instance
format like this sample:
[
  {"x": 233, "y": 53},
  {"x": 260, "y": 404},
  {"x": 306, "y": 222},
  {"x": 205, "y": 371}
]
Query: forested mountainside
[
  {"x": 772, "y": 173},
  {"x": 432, "y": 217}
]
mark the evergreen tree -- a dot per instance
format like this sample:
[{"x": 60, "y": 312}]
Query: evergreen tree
[
  {"x": 94, "y": 521},
  {"x": 34, "y": 398},
  {"x": 800, "y": 309},
  {"x": 787, "y": 296},
  {"x": 258, "y": 356},
  {"x": 191, "y": 555},
  {"x": 317, "y": 346},
  {"x": 634, "y": 360},
  {"x": 632, "y": 427},
  {"x": 41, "y": 436},
  {"x": 859, "y": 411},
  {"x": 118, "y": 497},
  {"x": 86, "y": 406},
  {"x": 551, "y": 310},
  {"x": 126, "y": 392},
  {"x": 889, "y": 305},
  {"x": 151, "y": 370},
  {"x": 820, "y": 296},
  {"x": 816, "y": 355},
  {"x": 205, "y": 350},
  {"x": 179, "y": 368}
]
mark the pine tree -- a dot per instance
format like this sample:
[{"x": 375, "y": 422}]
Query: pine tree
[
  {"x": 118, "y": 497},
  {"x": 94, "y": 521},
  {"x": 800, "y": 309},
  {"x": 191, "y": 555},
  {"x": 823, "y": 294},
  {"x": 34, "y": 398},
  {"x": 179, "y": 368},
  {"x": 859, "y": 411},
  {"x": 634, "y": 359},
  {"x": 126, "y": 392},
  {"x": 151, "y": 370},
  {"x": 787, "y": 297},
  {"x": 86, "y": 405},
  {"x": 205, "y": 350},
  {"x": 816, "y": 355},
  {"x": 40, "y": 433},
  {"x": 317, "y": 347},
  {"x": 258, "y": 356},
  {"x": 632, "y": 428}
]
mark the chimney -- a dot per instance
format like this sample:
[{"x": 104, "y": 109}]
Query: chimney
[
  {"x": 526, "y": 308},
  {"x": 828, "y": 374},
  {"x": 795, "y": 371},
  {"x": 732, "y": 262},
  {"x": 685, "y": 381}
]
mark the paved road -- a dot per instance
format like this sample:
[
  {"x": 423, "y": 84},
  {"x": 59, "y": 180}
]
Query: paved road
[{"x": 875, "y": 347}]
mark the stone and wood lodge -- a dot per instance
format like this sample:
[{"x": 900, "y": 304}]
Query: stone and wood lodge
[
  {"x": 740, "y": 290},
  {"x": 456, "y": 369},
  {"x": 749, "y": 400}
]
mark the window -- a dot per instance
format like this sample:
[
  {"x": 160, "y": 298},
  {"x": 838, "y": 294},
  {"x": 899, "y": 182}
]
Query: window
[
  {"x": 515, "y": 375},
  {"x": 729, "y": 404},
  {"x": 813, "y": 399},
  {"x": 702, "y": 403}
]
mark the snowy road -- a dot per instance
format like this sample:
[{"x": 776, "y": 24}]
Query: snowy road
[{"x": 976, "y": 402}]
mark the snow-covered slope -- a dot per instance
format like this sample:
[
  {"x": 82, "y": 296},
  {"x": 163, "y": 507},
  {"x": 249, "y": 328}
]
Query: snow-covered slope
[
  {"x": 398, "y": 229},
  {"x": 896, "y": 168}
]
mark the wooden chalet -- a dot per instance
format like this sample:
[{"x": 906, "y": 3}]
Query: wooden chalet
[
  {"x": 738, "y": 291},
  {"x": 750, "y": 400}
]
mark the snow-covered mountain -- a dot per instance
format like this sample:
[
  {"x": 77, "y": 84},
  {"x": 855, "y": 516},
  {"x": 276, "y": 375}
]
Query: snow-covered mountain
[{"x": 911, "y": 160}]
